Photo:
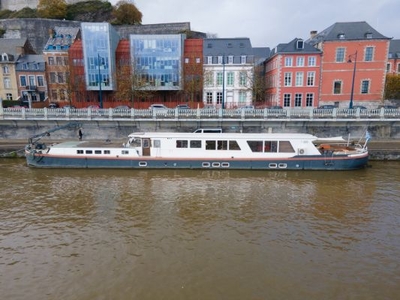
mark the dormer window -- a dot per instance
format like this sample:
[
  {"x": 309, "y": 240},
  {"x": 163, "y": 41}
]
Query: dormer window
[
  {"x": 300, "y": 44},
  {"x": 4, "y": 57},
  {"x": 229, "y": 45},
  {"x": 368, "y": 35},
  {"x": 341, "y": 36},
  {"x": 209, "y": 45}
]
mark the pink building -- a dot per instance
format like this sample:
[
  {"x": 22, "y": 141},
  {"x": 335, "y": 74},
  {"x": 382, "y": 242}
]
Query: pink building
[{"x": 293, "y": 75}]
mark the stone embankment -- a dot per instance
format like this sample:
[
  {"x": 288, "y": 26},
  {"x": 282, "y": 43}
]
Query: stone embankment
[{"x": 378, "y": 149}]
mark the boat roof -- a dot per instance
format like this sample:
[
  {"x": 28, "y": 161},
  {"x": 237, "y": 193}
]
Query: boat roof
[{"x": 225, "y": 135}]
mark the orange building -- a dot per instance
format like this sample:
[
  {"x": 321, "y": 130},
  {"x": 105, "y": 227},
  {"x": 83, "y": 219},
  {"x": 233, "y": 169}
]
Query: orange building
[
  {"x": 292, "y": 75},
  {"x": 353, "y": 64}
]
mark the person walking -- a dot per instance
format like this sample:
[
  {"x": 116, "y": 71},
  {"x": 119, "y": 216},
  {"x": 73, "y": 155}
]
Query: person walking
[{"x": 80, "y": 134}]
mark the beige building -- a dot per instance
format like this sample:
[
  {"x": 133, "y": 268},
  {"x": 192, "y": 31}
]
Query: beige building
[{"x": 10, "y": 51}]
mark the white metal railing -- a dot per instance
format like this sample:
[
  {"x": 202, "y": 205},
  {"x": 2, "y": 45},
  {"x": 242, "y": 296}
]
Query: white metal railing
[{"x": 176, "y": 114}]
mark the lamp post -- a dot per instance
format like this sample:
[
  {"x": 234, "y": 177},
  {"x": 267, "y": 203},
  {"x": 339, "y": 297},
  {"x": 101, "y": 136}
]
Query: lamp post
[
  {"x": 100, "y": 95},
  {"x": 223, "y": 81},
  {"x": 354, "y": 77}
]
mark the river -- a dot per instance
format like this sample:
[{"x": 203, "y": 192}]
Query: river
[{"x": 173, "y": 234}]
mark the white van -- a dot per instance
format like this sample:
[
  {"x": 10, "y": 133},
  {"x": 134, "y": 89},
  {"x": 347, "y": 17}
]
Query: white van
[{"x": 208, "y": 130}]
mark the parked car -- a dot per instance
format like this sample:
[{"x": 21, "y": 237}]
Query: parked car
[
  {"x": 182, "y": 106},
  {"x": 157, "y": 106},
  {"x": 121, "y": 107},
  {"x": 359, "y": 107},
  {"x": 387, "y": 107},
  {"x": 275, "y": 107},
  {"x": 92, "y": 107},
  {"x": 209, "y": 106},
  {"x": 53, "y": 105},
  {"x": 246, "y": 107},
  {"x": 327, "y": 106},
  {"x": 69, "y": 107}
]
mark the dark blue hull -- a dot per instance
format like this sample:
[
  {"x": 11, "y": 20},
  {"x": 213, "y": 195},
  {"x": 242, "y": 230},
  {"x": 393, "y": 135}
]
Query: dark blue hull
[{"x": 295, "y": 163}]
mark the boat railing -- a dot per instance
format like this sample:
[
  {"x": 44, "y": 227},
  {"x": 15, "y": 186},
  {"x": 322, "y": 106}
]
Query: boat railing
[{"x": 193, "y": 114}]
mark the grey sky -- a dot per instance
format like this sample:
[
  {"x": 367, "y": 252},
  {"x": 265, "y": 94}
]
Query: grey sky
[{"x": 270, "y": 22}]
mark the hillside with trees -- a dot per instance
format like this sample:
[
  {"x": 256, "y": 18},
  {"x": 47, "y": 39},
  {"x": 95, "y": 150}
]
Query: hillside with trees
[{"x": 123, "y": 13}]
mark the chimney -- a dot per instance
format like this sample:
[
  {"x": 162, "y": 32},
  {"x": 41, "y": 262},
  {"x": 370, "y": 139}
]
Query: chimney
[{"x": 313, "y": 33}]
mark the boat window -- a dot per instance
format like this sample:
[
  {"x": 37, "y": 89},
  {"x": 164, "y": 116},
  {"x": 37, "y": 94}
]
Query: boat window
[
  {"x": 136, "y": 142},
  {"x": 216, "y": 165},
  {"x": 255, "y": 146},
  {"x": 195, "y": 144},
  {"x": 146, "y": 143},
  {"x": 233, "y": 145},
  {"x": 210, "y": 145},
  {"x": 270, "y": 146},
  {"x": 273, "y": 166},
  {"x": 157, "y": 143},
  {"x": 97, "y": 151},
  {"x": 286, "y": 146},
  {"x": 107, "y": 152},
  {"x": 79, "y": 151},
  {"x": 89, "y": 152},
  {"x": 222, "y": 145},
  {"x": 205, "y": 164},
  {"x": 125, "y": 152},
  {"x": 181, "y": 143},
  {"x": 225, "y": 165}
]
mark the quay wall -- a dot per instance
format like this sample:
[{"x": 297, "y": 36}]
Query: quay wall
[{"x": 384, "y": 145}]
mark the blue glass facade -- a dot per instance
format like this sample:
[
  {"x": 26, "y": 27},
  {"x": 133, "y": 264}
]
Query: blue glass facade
[
  {"x": 157, "y": 60},
  {"x": 99, "y": 41}
]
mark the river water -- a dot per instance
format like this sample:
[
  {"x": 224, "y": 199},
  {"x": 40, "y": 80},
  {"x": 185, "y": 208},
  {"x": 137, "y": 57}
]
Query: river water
[{"x": 121, "y": 234}]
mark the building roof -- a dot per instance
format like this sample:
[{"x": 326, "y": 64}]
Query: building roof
[
  {"x": 227, "y": 46},
  {"x": 11, "y": 46},
  {"x": 347, "y": 31},
  {"x": 295, "y": 46},
  {"x": 394, "y": 49},
  {"x": 61, "y": 38},
  {"x": 34, "y": 62}
]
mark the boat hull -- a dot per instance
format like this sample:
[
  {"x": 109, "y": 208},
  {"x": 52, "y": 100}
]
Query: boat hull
[{"x": 341, "y": 162}]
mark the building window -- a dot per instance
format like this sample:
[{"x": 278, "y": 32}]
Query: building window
[
  {"x": 286, "y": 100},
  {"x": 288, "y": 61},
  {"x": 209, "y": 79},
  {"x": 340, "y": 54},
  {"x": 388, "y": 67},
  {"x": 197, "y": 60},
  {"x": 365, "y": 87},
  {"x": 221, "y": 60},
  {"x": 6, "y": 70},
  {"x": 50, "y": 60},
  {"x": 299, "y": 78},
  {"x": 310, "y": 78},
  {"x": 243, "y": 59},
  {"x": 186, "y": 60},
  {"x": 297, "y": 100},
  {"x": 288, "y": 79},
  {"x": 300, "y": 61},
  {"x": 22, "y": 81},
  {"x": 242, "y": 96},
  {"x": 369, "y": 53},
  {"x": 230, "y": 59},
  {"x": 59, "y": 61},
  {"x": 229, "y": 78},
  {"x": 398, "y": 68},
  {"x": 40, "y": 80},
  {"x": 309, "y": 99},
  {"x": 7, "y": 83},
  {"x": 219, "y": 78},
  {"x": 219, "y": 97},
  {"x": 312, "y": 62},
  {"x": 9, "y": 96},
  {"x": 242, "y": 79},
  {"x": 54, "y": 94},
  {"x": 337, "y": 87},
  {"x": 209, "y": 60},
  {"x": 209, "y": 98}
]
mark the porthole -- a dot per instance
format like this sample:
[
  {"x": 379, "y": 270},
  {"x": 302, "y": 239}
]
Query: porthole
[
  {"x": 225, "y": 165},
  {"x": 142, "y": 163},
  {"x": 216, "y": 164},
  {"x": 282, "y": 166},
  {"x": 205, "y": 164},
  {"x": 273, "y": 166}
]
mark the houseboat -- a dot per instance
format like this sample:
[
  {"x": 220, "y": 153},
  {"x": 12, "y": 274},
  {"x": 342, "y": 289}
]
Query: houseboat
[{"x": 160, "y": 150}]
